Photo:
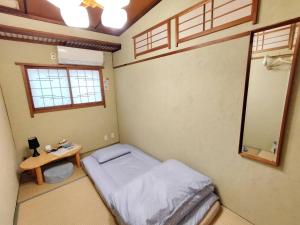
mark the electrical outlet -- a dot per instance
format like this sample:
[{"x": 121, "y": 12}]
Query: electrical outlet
[
  {"x": 112, "y": 135},
  {"x": 105, "y": 138}
]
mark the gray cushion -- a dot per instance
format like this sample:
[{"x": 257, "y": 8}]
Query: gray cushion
[{"x": 58, "y": 173}]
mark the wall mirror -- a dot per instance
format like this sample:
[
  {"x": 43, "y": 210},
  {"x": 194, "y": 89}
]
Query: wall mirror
[{"x": 271, "y": 69}]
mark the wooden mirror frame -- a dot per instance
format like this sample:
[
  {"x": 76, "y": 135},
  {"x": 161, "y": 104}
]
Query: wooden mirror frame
[{"x": 287, "y": 99}]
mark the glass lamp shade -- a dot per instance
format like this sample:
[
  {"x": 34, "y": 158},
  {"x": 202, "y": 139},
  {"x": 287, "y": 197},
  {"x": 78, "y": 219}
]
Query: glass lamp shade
[
  {"x": 113, "y": 3},
  {"x": 114, "y": 17},
  {"x": 75, "y": 16},
  {"x": 33, "y": 143}
]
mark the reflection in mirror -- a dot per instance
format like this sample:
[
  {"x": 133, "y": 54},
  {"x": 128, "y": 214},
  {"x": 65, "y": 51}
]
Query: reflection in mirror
[{"x": 267, "y": 88}]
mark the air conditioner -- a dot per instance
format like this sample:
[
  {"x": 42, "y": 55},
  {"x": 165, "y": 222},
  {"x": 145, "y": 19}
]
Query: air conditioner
[{"x": 76, "y": 56}]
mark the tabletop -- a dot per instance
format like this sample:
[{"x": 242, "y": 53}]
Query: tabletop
[{"x": 45, "y": 158}]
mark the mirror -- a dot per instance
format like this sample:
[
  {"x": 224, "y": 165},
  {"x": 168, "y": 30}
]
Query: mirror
[{"x": 271, "y": 68}]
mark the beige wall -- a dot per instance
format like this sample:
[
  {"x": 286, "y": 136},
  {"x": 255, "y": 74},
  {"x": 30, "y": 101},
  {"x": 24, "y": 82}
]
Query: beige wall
[
  {"x": 188, "y": 107},
  {"x": 85, "y": 126},
  {"x": 8, "y": 172},
  {"x": 265, "y": 104}
]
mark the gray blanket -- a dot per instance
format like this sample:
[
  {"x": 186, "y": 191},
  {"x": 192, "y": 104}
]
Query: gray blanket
[{"x": 165, "y": 195}]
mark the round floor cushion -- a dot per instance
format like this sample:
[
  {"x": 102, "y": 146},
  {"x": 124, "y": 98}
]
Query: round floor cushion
[{"x": 58, "y": 173}]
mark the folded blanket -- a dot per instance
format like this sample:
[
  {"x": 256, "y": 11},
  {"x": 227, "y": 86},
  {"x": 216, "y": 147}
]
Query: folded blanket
[
  {"x": 200, "y": 211},
  {"x": 162, "y": 196}
]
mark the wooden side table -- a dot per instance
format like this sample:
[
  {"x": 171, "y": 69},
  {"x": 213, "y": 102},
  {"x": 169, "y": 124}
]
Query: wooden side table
[{"x": 36, "y": 163}]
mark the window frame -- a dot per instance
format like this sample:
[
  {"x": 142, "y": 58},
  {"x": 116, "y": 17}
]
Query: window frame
[{"x": 73, "y": 105}]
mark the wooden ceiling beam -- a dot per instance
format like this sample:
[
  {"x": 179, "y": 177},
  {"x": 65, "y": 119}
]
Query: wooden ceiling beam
[{"x": 40, "y": 37}]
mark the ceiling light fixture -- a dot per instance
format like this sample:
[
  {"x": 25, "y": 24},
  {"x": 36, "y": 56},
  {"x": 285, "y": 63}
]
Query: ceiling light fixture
[{"x": 75, "y": 14}]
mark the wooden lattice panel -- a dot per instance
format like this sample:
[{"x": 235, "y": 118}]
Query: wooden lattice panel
[
  {"x": 155, "y": 38},
  {"x": 213, "y": 15}
]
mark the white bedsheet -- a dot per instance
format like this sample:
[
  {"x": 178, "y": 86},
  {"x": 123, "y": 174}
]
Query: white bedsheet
[{"x": 112, "y": 175}]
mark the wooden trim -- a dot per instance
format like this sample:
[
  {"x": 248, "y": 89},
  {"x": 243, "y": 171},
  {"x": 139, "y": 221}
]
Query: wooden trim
[
  {"x": 28, "y": 90},
  {"x": 53, "y": 66},
  {"x": 255, "y": 11},
  {"x": 169, "y": 34},
  {"x": 33, "y": 110},
  {"x": 288, "y": 99},
  {"x": 152, "y": 50},
  {"x": 177, "y": 31},
  {"x": 209, "y": 43},
  {"x": 258, "y": 159},
  {"x": 292, "y": 35},
  {"x": 57, "y": 39},
  {"x": 232, "y": 37},
  {"x": 288, "y": 95},
  {"x": 246, "y": 87},
  {"x": 70, "y": 87},
  {"x": 212, "y": 14},
  {"x": 101, "y": 78}
]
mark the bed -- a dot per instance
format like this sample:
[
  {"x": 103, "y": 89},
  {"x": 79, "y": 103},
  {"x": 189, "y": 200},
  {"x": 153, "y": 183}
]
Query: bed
[{"x": 115, "y": 167}]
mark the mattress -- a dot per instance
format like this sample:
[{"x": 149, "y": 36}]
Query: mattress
[{"x": 112, "y": 175}]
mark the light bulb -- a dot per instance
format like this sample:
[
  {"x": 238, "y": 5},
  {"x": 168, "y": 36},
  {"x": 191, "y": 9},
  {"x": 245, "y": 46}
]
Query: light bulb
[
  {"x": 114, "y": 17},
  {"x": 75, "y": 16}
]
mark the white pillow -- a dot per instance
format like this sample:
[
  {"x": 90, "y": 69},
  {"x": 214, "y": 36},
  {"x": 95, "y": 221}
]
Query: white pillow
[{"x": 109, "y": 153}]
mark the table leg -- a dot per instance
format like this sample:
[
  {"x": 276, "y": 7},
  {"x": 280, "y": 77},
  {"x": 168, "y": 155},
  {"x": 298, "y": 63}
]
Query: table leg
[
  {"x": 77, "y": 157},
  {"x": 39, "y": 175}
]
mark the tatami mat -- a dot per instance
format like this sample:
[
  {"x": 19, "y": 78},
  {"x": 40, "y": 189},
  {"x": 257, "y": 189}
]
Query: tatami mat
[
  {"x": 78, "y": 203},
  {"x": 31, "y": 189}
]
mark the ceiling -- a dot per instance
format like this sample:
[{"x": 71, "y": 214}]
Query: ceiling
[{"x": 45, "y": 11}]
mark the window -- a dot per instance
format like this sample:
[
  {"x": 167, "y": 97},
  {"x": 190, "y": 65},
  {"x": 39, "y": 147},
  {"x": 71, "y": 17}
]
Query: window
[
  {"x": 52, "y": 88},
  {"x": 155, "y": 38},
  {"x": 210, "y": 16}
]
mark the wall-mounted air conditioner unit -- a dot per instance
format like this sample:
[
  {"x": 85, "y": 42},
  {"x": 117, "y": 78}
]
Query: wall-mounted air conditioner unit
[{"x": 76, "y": 56}]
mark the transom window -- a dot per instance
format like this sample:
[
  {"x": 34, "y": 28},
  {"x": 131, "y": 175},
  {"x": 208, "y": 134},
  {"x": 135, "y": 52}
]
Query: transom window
[{"x": 51, "y": 88}]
